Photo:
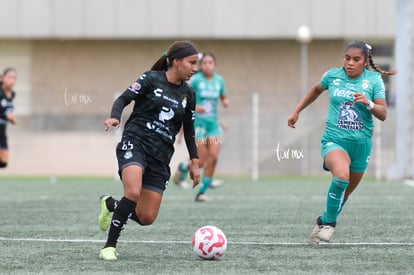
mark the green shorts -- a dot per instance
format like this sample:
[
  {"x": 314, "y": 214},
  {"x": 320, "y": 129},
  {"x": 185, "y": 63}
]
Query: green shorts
[
  {"x": 359, "y": 153},
  {"x": 207, "y": 127}
]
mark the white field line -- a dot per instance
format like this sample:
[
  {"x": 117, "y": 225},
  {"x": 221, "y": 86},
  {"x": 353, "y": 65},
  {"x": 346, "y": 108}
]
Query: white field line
[{"x": 47, "y": 240}]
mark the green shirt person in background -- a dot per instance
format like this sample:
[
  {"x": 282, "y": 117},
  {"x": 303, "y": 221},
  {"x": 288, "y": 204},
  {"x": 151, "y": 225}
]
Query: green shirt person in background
[
  {"x": 355, "y": 95},
  {"x": 209, "y": 89}
]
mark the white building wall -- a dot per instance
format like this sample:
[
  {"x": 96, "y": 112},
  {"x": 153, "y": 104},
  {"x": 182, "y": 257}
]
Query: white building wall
[{"x": 230, "y": 19}]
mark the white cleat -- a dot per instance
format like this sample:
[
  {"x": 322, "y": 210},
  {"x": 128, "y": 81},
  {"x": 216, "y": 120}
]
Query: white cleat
[
  {"x": 202, "y": 198},
  {"x": 313, "y": 238},
  {"x": 326, "y": 232},
  {"x": 216, "y": 183},
  {"x": 183, "y": 184}
]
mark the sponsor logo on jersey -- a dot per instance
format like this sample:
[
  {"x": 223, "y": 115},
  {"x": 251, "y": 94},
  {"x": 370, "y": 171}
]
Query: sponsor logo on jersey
[
  {"x": 365, "y": 84},
  {"x": 349, "y": 117},
  {"x": 209, "y": 94},
  {"x": 166, "y": 114},
  {"x": 128, "y": 154},
  {"x": 184, "y": 102},
  {"x": 135, "y": 87},
  {"x": 343, "y": 93}
]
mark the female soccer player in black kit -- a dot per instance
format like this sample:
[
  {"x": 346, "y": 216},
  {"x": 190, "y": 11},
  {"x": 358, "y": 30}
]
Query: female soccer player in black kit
[
  {"x": 7, "y": 82},
  {"x": 163, "y": 102}
]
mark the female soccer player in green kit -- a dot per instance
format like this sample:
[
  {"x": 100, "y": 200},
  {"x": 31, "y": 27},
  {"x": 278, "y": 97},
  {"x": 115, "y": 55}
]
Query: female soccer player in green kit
[
  {"x": 209, "y": 88},
  {"x": 163, "y": 103},
  {"x": 355, "y": 95}
]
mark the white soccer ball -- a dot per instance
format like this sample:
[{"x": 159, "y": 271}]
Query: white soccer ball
[{"x": 209, "y": 242}]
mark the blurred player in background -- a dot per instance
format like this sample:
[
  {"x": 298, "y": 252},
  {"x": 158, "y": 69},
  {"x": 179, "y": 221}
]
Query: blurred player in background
[
  {"x": 355, "y": 96},
  {"x": 209, "y": 88},
  {"x": 7, "y": 82},
  {"x": 180, "y": 176},
  {"x": 163, "y": 103}
]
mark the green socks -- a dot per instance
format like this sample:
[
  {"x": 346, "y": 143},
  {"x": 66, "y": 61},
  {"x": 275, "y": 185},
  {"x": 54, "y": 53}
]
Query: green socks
[
  {"x": 334, "y": 200},
  {"x": 205, "y": 184},
  {"x": 184, "y": 171}
]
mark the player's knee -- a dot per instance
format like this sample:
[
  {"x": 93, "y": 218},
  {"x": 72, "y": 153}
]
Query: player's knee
[
  {"x": 3, "y": 164},
  {"x": 342, "y": 176}
]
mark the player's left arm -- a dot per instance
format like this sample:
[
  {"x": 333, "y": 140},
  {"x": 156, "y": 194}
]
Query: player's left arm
[
  {"x": 224, "y": 100},
  {"x": 189, "y": 137},
  {"x": 223, "y": 95}
]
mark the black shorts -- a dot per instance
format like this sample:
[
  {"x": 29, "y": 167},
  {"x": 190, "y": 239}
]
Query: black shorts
[
  {"x": 3, "y": 137},
  {"x": 155, "y": 172}
]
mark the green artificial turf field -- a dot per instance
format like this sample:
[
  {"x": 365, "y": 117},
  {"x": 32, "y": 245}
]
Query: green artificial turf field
[{"x": 50, "y": 227}]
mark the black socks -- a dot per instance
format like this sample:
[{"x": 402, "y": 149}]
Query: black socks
[
  {"x": 123, "y": 211},
  {"x": 112, "y": 203}
]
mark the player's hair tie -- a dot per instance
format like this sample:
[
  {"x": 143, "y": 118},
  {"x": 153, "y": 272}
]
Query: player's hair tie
[
  {"x": 369, "y": 47},
  {"x": 165, "y": 54}
]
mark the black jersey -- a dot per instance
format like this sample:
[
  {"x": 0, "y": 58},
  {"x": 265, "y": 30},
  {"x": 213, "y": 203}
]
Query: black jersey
[
  {"x": 6, "y": 105},
  {"x": 159, "y": 111}
]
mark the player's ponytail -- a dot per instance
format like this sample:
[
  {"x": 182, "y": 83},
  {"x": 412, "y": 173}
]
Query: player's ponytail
[
  {"x": 378, "y": 69},
  {"x": 367, "y": 52},
  {"x": 178, "y": 50},
  {"x": 162, "y": 63}
]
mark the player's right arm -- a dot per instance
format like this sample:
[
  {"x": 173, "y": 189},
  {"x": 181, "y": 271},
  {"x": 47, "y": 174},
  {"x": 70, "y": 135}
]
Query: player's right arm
[
  {"x": 123, "y": 100},
  {"x": 312, "y": 94}
]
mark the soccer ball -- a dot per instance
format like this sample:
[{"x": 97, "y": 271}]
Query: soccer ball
[{"x": 209, "y": 243}]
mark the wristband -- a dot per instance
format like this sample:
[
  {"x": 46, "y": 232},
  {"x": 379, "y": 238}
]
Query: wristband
[{"x": 370, "y": 105}]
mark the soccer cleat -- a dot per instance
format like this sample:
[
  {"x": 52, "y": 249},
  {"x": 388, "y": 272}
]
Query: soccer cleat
[
  {"x": 183, "y": 184},
  {"x": 105, "y": 216},
  {"x": 202, "y": 198},
  {"x": 313, "y": 238},
  {"x": 216, "y": 183},
  {"x": 326, "y": 232},
  {"x": 109, "y": 254}
]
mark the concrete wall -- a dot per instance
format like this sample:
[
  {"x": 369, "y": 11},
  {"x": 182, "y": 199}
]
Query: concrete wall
[{"x": 213, "y": 19}]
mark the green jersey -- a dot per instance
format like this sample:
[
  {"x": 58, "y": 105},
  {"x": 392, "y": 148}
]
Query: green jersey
[
  {"x": 207, "y": 93},
  {"x": 347, "y": 120}
]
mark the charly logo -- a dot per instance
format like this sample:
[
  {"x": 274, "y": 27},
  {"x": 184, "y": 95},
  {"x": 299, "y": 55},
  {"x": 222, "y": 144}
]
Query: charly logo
[
  {"x": 336, "y": 82},
  {"x": 158, "y": 92}
]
